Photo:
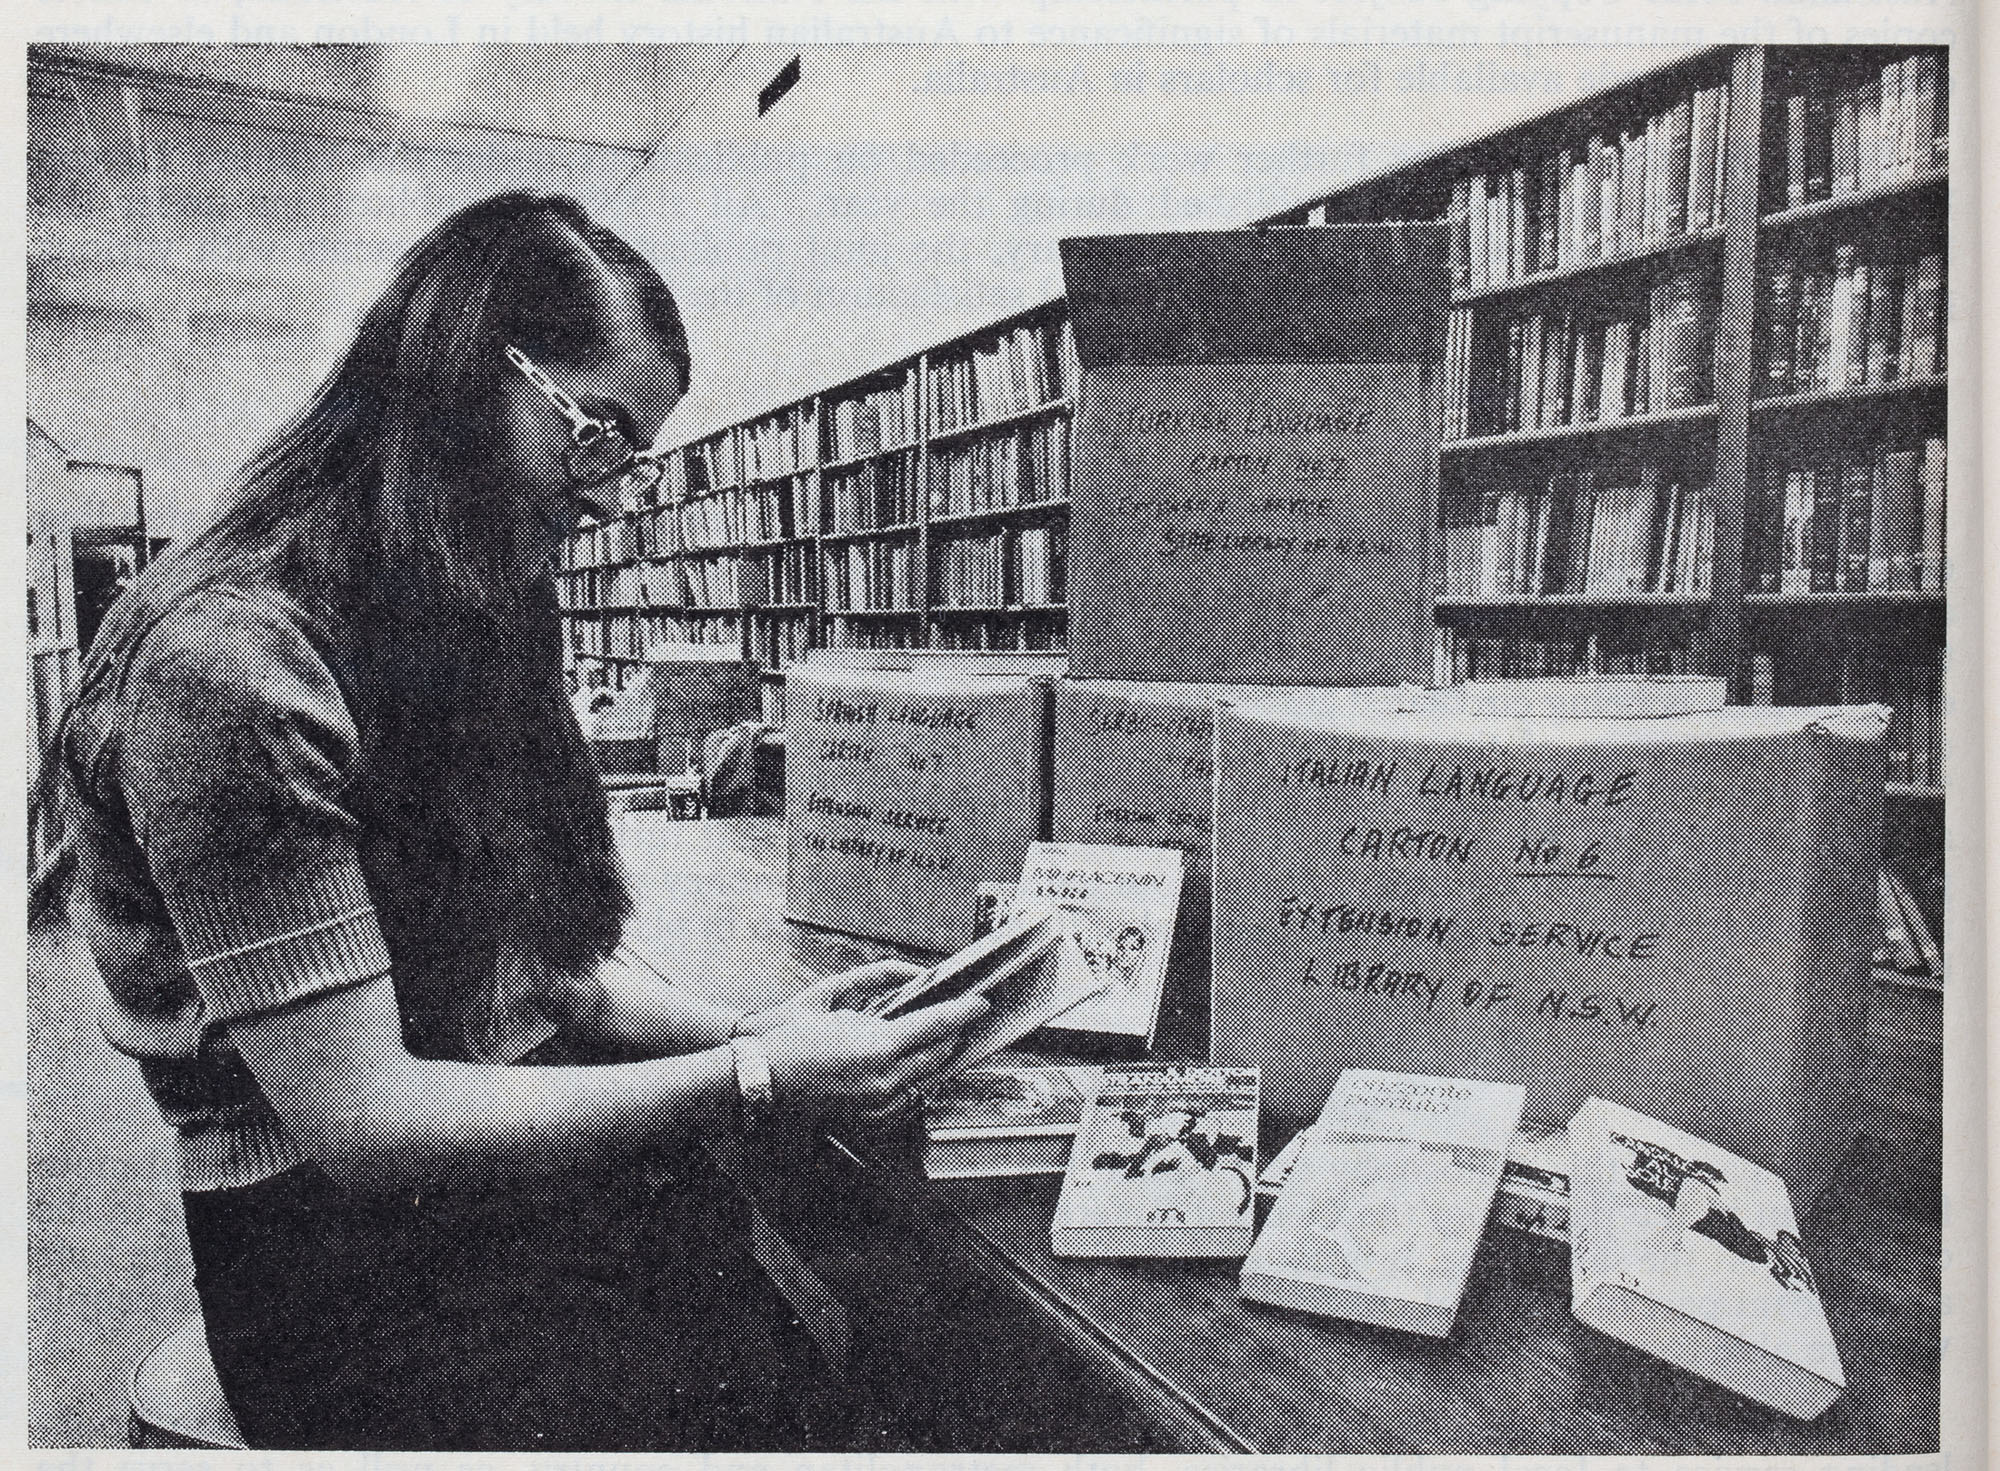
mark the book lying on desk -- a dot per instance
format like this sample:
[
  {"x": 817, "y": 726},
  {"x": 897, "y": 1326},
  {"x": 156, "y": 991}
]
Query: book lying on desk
[
  {"x": 1002, "y": 1120},
  {"x": 1385, "y": 1207},
  {"x": 1692, "y": 1255},
  {"x": 1534, "y": 1182},
  {"x": 1118, "y": 906},
  {"x": 1164, "y": 1166}
]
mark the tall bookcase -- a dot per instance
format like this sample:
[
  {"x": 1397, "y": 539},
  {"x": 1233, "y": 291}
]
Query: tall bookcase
[{"x": 1696, "y": 422}]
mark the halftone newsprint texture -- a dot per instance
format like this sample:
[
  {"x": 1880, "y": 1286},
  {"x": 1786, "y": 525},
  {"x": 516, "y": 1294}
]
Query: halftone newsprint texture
[{"x": 1636, "y": 368}]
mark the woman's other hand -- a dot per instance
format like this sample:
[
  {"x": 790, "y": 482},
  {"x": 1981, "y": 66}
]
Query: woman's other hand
[{"x": 844, "y": 1062}]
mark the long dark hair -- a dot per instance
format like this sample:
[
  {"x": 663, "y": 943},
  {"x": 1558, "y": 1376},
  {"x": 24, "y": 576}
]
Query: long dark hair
[{"x": 483, "y": 817}]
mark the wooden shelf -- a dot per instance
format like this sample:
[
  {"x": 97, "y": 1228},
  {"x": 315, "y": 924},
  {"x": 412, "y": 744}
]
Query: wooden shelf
[
  {"x": 873, "y": 533},
  {"x": 786, "y": 608},
  {"x": 1575, "y": 601},
  {"x": 1906, "y": 791},
  {"x": 992, "y": 609},
  {"x": 874, "y": 612},
  {"x": 1003, "y": 421},
  {"x": 1820, "y": 209},
  {"x": 996, "y": 513},
  {"x": 1665, "y": 250},
  {"x": 880, "y": 454},
  {"x": 694, "y": 610},
  {"x": 774, "y": 543},
  {"x": 1879, "y": 598},
  {"x": 757, "y": 482},
  {"x": 1630, "y": 424},
  {"x": 1841, "y": 397}
]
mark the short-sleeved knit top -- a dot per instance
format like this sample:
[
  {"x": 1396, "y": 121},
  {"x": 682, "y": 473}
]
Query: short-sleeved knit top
[{"x": 220, "y": 868}]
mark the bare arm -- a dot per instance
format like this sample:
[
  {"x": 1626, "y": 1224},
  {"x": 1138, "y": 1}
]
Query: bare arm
[
  {"x": 637, "y": 1014},
  {"x": 376, "y": 1116}
]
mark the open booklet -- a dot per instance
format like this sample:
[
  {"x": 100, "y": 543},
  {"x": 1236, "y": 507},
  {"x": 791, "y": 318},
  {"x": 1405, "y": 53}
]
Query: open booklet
[{"x": 1006, "y": 967}]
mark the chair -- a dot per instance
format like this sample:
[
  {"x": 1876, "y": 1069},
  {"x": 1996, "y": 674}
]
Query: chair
[{"x": 176, "y": 1400}]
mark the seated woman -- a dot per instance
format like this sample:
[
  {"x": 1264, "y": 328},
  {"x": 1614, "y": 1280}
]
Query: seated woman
[{"x": 344, "y": 864}]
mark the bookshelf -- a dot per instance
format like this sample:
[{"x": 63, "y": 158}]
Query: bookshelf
[{"x": 1696, "y": 397}]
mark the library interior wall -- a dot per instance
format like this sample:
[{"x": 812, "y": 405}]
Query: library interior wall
[{"x": 898, "y": 196}]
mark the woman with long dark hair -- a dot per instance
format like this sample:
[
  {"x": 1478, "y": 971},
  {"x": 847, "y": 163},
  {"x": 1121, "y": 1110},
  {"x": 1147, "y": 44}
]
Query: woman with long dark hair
[{"x": 344, "y": 863}]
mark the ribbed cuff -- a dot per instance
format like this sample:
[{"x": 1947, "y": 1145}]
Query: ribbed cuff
[
  {"x": 240, "y": 1152},
  {"x": 258, "y": 945}
]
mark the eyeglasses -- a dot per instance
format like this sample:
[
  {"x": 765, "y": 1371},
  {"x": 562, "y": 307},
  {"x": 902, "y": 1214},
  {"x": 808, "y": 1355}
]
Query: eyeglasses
[{"x": 598, "y": 452}]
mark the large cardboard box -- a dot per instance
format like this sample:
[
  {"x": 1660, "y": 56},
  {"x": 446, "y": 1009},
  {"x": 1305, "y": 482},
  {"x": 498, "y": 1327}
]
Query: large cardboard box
[
  {"x": 1672, "y": 914},
  {"x": 904, "y": 792},
  {"x": 1133, "y": 764},
  {"x": 1255, "y": 463}
]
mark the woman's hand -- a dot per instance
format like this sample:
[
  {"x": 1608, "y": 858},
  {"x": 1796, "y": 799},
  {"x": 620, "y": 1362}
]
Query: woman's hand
[
  {"x": 849, "y": 991},
  {"x": 844, "y": 1062}
]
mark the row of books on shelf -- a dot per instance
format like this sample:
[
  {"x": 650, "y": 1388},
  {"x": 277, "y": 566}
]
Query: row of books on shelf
[
  {"x": 1041, "y": 632},
  {"x": 1852, "y": 317},
  {"x": 1020, "y": 369},
  {"x": 786, "y": 574},
  {"x": 1889, "y": 126},
  {"x": 710, "y": 465},
  {"x": 1546, "y": 369},
  {"x": 724, "y": 518},
  {"x": 630, "y": 635},
  {"x": 872, "y": 575},
  {"x": 873, "y": 421},
  {"x": 874, "y": 494},
  {"x": 1910, "y": 681},
  {"x": 723, "y": 581},
  {"x": 848, "y": 633},
  {"x": 1488, "y": 657},
  {"x": 778, "y": 640},
  {"x": 779, "y": 445},
  {"x": 1678, "y": 1248},
  {"x": 1024, "y": 467},
  {"x": 1600, "y": 199},
  {"x": 1872, "y": 521},
  {"x": 1009, "y": 568},
  {"x": 1572, "y": 536}
]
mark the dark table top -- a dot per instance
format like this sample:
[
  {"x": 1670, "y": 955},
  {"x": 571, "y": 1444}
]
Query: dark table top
[{"x": 1206, "y": 1371}]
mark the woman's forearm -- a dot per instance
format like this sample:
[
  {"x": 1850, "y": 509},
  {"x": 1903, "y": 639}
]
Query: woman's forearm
[
  {"x": 377, "y": 1117},
  {"x": 450, "y": 1123},
  {"x": 637, "y": 1015}
]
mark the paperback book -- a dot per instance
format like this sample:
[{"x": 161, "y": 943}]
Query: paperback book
[
  {"x": 1385, "y": 1207},
  {"x": 1692, "y": 1255},
  {"x": 1165, "y": 1165},
  {"x": 1534, "y": 1182},
  {"x": 1002, "y": 1120},
  {"x": 1001, "y": 966},
  {"x": 1117, "y": 907}
]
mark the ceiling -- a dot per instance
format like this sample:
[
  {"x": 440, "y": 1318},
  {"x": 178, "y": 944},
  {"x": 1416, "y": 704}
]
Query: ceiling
[{"x": 255, "y": 160}]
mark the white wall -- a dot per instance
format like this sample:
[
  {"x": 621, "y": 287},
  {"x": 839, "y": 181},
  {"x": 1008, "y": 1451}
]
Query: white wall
[{"x": 902, "y": 194}]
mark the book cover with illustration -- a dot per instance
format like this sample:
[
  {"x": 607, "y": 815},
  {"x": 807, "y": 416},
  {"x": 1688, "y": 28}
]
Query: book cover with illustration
[
  {"x": 1165, "y": 1165},
  {"x": 1534, "y": 1182},
  {"x": 1387, "y": 1201},
  {"x": 1005, "y": 1119},
  {"x": 1117, "y": 905},
  {"x": 1692, "y": 1255}
]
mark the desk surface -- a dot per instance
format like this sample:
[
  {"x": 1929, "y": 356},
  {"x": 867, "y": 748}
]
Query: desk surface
[{"x": 1179, "y": 1351}]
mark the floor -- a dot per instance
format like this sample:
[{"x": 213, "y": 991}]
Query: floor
[{"x": 108, "y": 1266}]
